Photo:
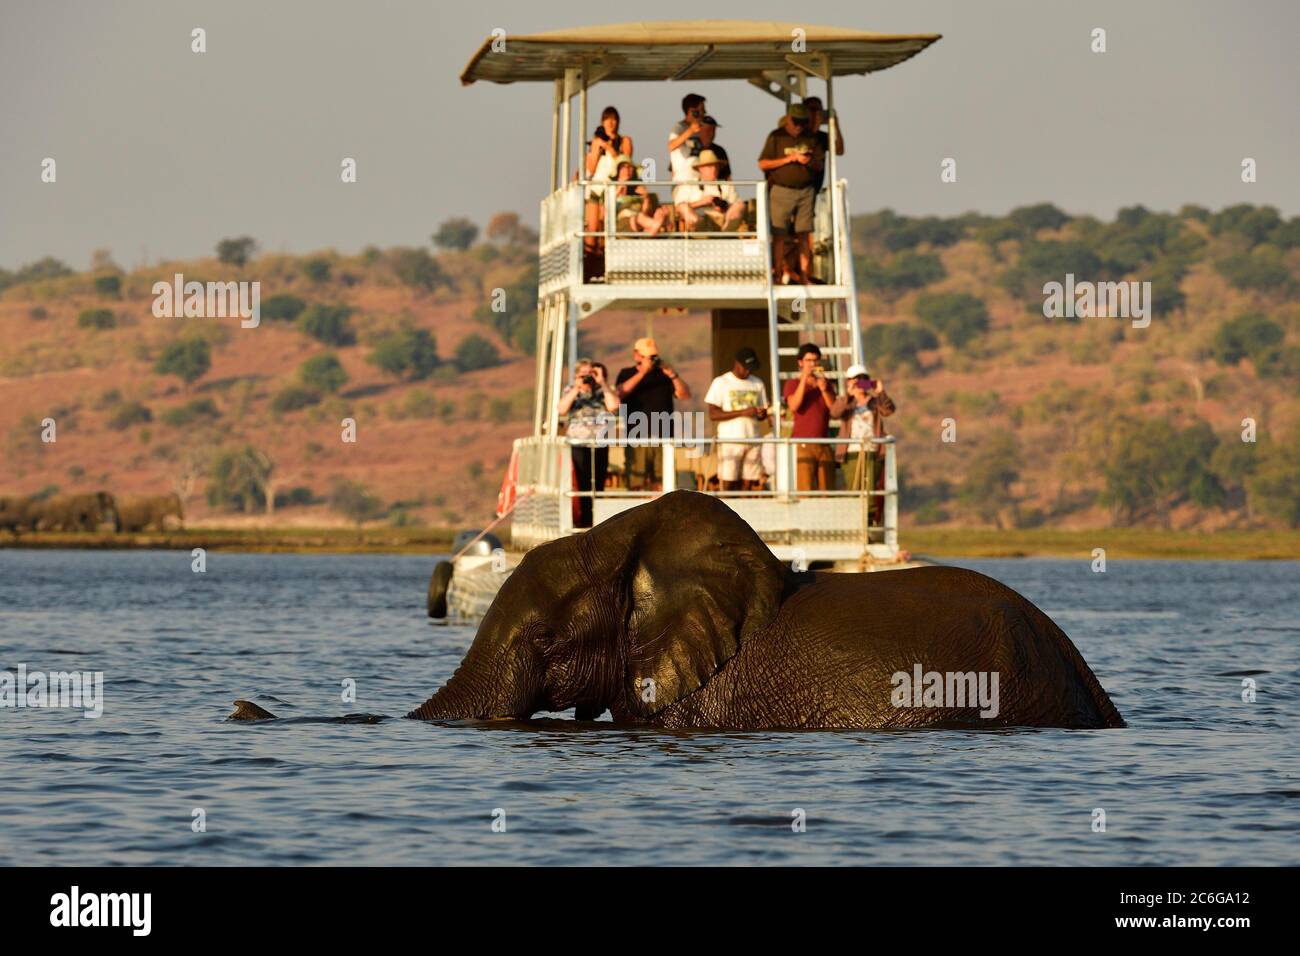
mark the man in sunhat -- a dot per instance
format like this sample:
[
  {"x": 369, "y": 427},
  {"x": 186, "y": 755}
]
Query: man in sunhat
[
  {"x": 711, "y": 204},
  {"x": 737, "y": 402},
  {"x": 792, "y": 159},
  {"x": 647, "y": 389}
]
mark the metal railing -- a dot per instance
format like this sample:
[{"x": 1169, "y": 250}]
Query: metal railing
[
  {"x": 709, "y": 255},
  {"x": 833, "y": 522}
]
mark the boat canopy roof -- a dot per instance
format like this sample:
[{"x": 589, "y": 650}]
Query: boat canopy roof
[{"x": 688, "y": 49}]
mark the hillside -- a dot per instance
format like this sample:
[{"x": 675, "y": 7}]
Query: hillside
[{"x": 1061, "y": 423}]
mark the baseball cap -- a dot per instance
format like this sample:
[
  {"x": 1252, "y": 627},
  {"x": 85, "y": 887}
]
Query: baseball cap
[
  {"x": 856, "y": 371},
  {"x": 646, "y": 346},
  {"x": 797, "y": 111},
  {"x": 747, "y": 357}
]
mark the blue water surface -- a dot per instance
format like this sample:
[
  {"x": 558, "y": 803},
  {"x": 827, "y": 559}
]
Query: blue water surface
[{"x": 1198, "y": 777}]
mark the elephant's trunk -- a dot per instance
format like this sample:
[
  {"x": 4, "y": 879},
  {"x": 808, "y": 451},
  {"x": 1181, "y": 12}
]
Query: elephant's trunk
[{"x": 499, "y": 678}]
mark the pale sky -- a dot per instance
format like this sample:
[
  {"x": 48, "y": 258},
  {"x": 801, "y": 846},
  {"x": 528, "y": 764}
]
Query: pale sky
[{"x": 161, "y": 152}]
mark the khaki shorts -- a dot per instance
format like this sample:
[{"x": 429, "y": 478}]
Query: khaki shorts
[{"x": 791, "y": 210}]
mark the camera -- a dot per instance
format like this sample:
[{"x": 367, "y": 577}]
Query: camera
[
  {"x": 656, "y": 361},
  {"x": 589, "y": 381}
]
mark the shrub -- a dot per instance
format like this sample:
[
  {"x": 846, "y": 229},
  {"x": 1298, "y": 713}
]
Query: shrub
[
  {"x": 419, "y": 403},
  {"x": 417, "y": 269},
  {"x": 1274, "y": 488},
  {"x": 38, "y": 313},
  {"x": 236, "y": 252},
  {"x": 903, "y": 272},
  {"x": 97, "y": 319},
  {"x": 128, "y": 414},
  {"x": 408, "y": 352},
  {"x": 1155, "y": 465},
  {"x": 109, "y": 284},
  {"x": 293, "y": 398},
  {"x": 47, "y": 268},
  {"x": 329, "y": 324},
  {"x": 189, "y": 360},
  {"x": 475, "y": 352},
  {"x": 351, "y": 499},
  {"x": 1043, "y": 215},
  {"x": 283, "y": 308},
  {"x": 323, "y": 373},
  {"x": 191, "y": 412},
  {"x": 957, "y": 316},
  {"x": 317, "y": 269}
]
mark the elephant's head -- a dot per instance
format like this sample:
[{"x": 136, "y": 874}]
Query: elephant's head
[{"x": 632, "y": 616}]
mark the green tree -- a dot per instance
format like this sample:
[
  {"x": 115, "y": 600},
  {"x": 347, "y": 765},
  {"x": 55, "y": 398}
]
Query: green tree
[
  {"x": 329, "y": 324},
  {"x": 351, "y": 499},
  {"x": 236, "y": 252},
  {"x": 239, "y": 477},
  {"x": 475, "y": 352},
  {"x": 898, "y": 344},
  {"x": 47, "y": 268},
  {"x": 417, "y": 269},
  {"x": 407, "y": 352},
  {"x": 317, "y": 269},
  {"x": 1044, "y": 215},
  {"x": 957, "y": 316},
  {"x": 188, "y": 359},
  {"x": 986, "y": 489},
  {"x": 1274, "y": 487},
  {"x": 109, "y": 284},
  {"x": 1154, "y": 466},
  {"x": 324, "y": 373},
  {"x": 294, "y": 398},
  {"x": 1250, "y": 335},
  {"x": 1261, "y": 270},
  {"x": 456, "y": 233}
]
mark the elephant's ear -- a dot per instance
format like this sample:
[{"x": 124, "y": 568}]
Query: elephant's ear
[{"x": 698, "y": 584}]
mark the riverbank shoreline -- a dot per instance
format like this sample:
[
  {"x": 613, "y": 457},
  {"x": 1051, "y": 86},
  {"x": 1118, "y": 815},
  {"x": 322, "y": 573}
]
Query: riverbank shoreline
[{"x": 933, "y": 543}]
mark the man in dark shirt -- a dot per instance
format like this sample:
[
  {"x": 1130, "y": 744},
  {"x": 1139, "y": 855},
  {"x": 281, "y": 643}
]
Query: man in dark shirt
[
  {"x": 792, "y": 159},
  {"x": 647, "y": 389},
  {"x": 809, "y": 398},
  {"x": 816, "y": 116}
]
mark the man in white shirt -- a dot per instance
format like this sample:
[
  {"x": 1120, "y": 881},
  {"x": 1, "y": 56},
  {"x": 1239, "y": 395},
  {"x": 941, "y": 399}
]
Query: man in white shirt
[
  {"x": 711, "y": 204},
  {"x": 737, "y": 402}
]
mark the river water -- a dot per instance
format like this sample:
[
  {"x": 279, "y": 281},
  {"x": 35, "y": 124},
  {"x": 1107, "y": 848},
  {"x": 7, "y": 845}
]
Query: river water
[{"x": 1199, "y": 776}]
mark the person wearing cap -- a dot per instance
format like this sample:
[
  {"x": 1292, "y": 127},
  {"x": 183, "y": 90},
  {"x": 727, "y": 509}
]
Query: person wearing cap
[
  {"x": 708, "y": 132},
  {"x": 737, "y": 402},
  {"x": 713, "y": 203},
  {"x": 647, "y": 389},
  {"x": 791, "y": 159},
  {"x": 810, "y": 397},
  {"x": 816, "y": 117},
  {"x": 860, "y": 411},
  {"x": 636, "y": 208}
]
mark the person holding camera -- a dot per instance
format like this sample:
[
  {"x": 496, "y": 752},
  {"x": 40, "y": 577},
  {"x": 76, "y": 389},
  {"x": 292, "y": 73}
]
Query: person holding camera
[
  {"x": 860, "y": 412},
  {"x": 592, "y": 408},
  {"x": 810, "y": 398},
  {"x": 608, "y": 149},
  {"x": 710, "y": 205},
  {"x": 792, "y": 160},
  {"x": 684, "y": 142},
  {"x": 647, "y": 388},
  {"x": 737, "y": 402}
]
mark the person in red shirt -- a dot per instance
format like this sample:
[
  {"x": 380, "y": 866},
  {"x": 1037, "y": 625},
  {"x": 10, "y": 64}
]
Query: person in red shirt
[{"x": 809, "y": 398}]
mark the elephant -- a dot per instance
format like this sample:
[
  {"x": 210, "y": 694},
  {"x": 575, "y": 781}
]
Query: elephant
[
  {"x": 139, "y": 513},
  {"x": 77, "y": 512},
  {"x": 675, "y": 614},
  {"x": 17, "y": 513}
]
